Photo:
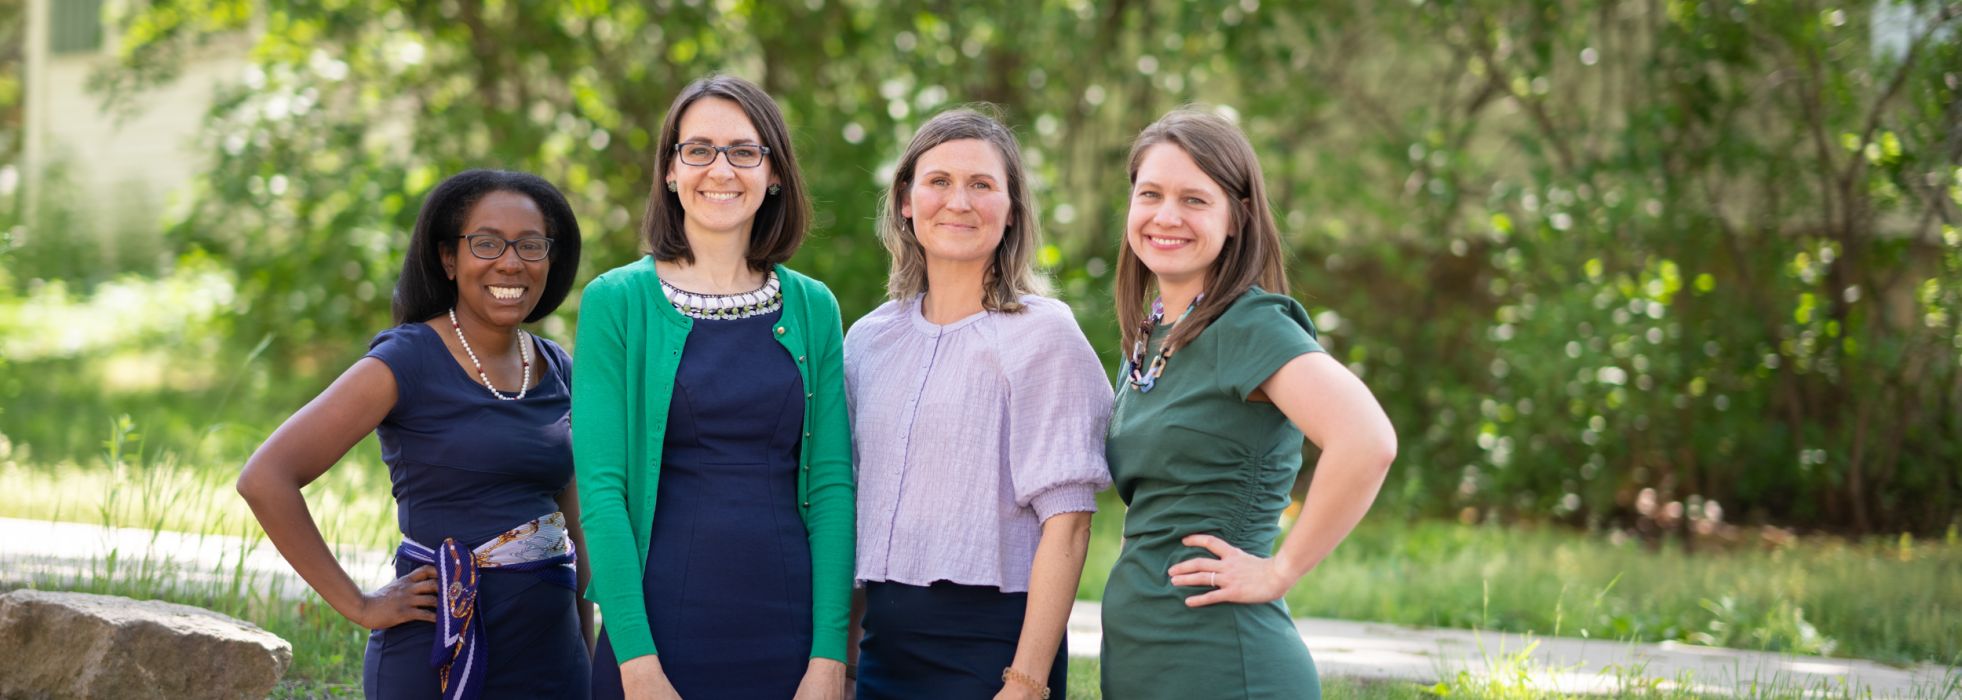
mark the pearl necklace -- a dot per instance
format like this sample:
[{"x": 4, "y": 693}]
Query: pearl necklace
[{"x": 524, "y": 355}]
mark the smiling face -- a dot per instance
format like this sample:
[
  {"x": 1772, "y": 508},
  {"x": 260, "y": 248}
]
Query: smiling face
[
  {"x": 503, "y": 291},
  {"x": 959, "y": 202},
  {"x": 718, "y": 198},
  {"x": 1180, "y": 218}
]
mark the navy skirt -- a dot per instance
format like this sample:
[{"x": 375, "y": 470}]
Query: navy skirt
[{"x": 945, "y": 641}]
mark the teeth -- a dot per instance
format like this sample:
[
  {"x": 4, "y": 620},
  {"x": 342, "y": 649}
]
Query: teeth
[
  {"x": 507, "y": 292},
  {"x": 1165, "y": 241},
  {"x": 720, "y": 196}
]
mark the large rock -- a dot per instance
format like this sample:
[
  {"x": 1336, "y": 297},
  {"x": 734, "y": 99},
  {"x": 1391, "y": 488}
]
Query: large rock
[{"x": 81, "y": 645}]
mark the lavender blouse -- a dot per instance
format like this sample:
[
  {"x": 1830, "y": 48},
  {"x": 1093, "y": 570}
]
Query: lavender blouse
[{"x": 968, "y": 437}]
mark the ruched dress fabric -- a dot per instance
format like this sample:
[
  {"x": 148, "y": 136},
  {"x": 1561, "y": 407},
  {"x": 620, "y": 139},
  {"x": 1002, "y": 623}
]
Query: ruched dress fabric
[
  {"x": 467, "y": 465},
  {"x": 728, "y": 577},
  {"x": 1193, "y": 456}
]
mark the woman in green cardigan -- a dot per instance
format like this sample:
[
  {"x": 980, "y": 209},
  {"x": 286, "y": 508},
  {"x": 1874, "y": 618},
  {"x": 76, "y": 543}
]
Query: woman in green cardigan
[{"x": 710, "y": 437}]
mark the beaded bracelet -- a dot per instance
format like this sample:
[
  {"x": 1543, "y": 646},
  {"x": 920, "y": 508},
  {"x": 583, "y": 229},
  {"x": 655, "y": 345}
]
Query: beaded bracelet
[{"x": 1009, "y": 675}]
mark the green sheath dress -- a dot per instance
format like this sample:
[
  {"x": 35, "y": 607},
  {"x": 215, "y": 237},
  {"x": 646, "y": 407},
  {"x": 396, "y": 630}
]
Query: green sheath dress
[{"x": 1193, "y": 456}]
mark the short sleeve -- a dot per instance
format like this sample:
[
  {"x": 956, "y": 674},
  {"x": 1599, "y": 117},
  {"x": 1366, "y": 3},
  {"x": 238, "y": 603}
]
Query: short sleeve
[
  {"x": 1256, "y": 336},
  {"x": 397, "y": 348},
  {"x": 558, "y": 357}
]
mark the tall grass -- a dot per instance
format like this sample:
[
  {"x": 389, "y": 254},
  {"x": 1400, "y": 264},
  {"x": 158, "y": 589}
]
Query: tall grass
[{"x": 1890, "y": 599}]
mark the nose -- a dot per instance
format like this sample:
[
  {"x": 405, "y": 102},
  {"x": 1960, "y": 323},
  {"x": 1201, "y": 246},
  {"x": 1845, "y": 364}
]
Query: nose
[
  {"x": 720, "y": 169},
  {"x": 508, "y": 261},
  {"x": 959, "y": 201},
  {"x": 1166, "y": 217}
]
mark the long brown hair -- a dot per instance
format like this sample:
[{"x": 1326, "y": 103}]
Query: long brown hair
[
  {"x": 1252, "y": 252},
  {"x": 1011, "y": 273},
  {"x": 780, "y": 223}
]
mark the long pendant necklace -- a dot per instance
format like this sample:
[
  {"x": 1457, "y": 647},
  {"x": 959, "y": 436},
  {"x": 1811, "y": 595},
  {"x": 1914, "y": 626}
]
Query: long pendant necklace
[
  {"x": 524, "y": 355},
  {"x": 1143, "y": 378}
]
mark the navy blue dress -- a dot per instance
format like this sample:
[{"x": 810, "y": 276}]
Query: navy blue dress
[
  {"x": 728, "y": 580},
  {"x": 467, "y": 465}
]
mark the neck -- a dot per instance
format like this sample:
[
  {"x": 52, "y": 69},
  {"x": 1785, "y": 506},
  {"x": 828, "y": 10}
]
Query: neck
[
  {"x": 1178, "y": 295},
  {"x": 721, "y": 265},
  {"x": 487, "y": 339},
  {"x": 954, "y": 289}
]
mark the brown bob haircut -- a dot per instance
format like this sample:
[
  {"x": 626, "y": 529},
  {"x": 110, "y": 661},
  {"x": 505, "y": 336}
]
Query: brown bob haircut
[
  {"x": 1011, "y": 271},
  {"x": 1252, "y": 253},
  {"x": 784, "y": 217}
]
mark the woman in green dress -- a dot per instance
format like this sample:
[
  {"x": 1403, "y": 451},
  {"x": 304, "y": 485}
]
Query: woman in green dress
[{"x": 1222, "y": 380}]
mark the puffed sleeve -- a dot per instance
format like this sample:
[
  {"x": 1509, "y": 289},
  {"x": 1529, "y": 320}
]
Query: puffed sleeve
[{"x": 1059, "y": 408}]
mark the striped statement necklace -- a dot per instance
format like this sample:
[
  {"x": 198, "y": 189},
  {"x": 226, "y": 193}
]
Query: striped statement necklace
[
  {"x": 1143, "y": 378},
  {"x": 756, "y": 302}
]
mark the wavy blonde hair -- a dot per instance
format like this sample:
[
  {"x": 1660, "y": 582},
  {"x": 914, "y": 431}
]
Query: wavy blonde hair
[{"x": 1012, "y": 273}]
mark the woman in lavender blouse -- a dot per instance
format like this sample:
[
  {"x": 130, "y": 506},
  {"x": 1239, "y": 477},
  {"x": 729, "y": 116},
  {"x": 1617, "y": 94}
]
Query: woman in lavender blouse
[{"x": 978, "y": 414}]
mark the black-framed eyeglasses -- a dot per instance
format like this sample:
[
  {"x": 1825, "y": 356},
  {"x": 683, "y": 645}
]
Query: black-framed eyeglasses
[
  {"x": 490, "y": 246},
  {"x": 742, "y": 155}
]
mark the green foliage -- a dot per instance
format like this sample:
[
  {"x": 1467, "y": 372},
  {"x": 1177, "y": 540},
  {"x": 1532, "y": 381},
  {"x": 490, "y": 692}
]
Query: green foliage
[{"x": 1579, "y": 249}]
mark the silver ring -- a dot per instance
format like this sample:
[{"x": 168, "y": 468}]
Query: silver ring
[{"x": 1214, "y": 581}]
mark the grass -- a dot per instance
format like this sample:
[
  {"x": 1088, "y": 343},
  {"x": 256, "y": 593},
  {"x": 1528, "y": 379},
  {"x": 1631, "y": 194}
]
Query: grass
[
  {"x": 1888, "y": 599},
  {"x": 128, "y": 487}
]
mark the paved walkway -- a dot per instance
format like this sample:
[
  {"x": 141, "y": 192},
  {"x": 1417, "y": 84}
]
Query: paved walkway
[{"x": 55, "y": 554}]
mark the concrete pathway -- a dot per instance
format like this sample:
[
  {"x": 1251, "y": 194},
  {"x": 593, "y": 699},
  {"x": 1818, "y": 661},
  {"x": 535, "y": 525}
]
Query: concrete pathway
[
  {"x": 48, "y": 554},
  {"x": 55, "y": 554}
]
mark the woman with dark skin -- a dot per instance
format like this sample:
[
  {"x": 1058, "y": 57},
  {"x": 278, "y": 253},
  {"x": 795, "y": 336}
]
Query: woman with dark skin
[{"x": 472, "y": 414}]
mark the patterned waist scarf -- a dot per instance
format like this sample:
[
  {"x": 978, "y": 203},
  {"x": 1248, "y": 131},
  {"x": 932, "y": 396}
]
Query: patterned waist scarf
[{"x": 541, "y": 547}]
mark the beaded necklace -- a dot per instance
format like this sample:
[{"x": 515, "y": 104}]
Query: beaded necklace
[
  {"x": 524, "y": 355},
  {"x": 1143, "y": 379},
  {"x": 756, "y": 302}
]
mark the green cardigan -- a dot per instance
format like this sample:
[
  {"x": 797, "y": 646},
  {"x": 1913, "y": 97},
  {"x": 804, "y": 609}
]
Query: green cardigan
[{"x": 629, "y": 346}]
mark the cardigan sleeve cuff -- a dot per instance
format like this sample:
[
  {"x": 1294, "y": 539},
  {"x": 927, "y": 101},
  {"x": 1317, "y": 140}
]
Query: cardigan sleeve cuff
[{"x": 630, "y": 644}]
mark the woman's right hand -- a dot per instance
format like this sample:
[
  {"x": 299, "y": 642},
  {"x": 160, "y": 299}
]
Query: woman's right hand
[
  {"x": 409, "y": 598},
  {"x": 643, "y": 679}
]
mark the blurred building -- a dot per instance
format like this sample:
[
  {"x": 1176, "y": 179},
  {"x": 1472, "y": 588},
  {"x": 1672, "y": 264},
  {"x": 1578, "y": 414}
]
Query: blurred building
[{"x": 113, "y": 172}]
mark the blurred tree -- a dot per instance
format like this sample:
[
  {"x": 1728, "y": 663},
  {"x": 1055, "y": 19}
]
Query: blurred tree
[{"x": 1580, "y": 249}]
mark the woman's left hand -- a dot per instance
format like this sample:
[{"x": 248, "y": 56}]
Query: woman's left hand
[
  {"x": 1235, "y": 576},
  {"x": 824, "y": 679}
]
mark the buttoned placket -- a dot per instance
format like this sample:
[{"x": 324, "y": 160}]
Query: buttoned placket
[{"x": 912, "y": 415}]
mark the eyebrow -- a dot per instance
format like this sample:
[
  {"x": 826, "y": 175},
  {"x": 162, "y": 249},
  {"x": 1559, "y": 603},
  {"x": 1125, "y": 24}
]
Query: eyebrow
[
  {"x": 1183, "y": 191},
  {"x": 938, "y": 171},
  {"x": 737, "y": 142},
  {"x": 493, "y": 229}
]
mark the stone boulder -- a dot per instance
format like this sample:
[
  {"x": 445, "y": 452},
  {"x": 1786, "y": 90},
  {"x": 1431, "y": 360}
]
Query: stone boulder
[{"x": 81, "y": 645}]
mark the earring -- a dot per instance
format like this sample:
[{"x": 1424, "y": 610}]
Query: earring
[
  {"x": 775, "y": 189},
  {"x": 672, "y": 187}
]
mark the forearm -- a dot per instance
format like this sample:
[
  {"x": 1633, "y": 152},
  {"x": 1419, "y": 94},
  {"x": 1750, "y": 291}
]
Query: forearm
[
  {"x": 1346, "y": 480},
  {"x": 1052, "y": 592},
  {"x": 615, "y": 583},
  {"x": 833, "y": 541},
  {"x": 283, "y": 513}
]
